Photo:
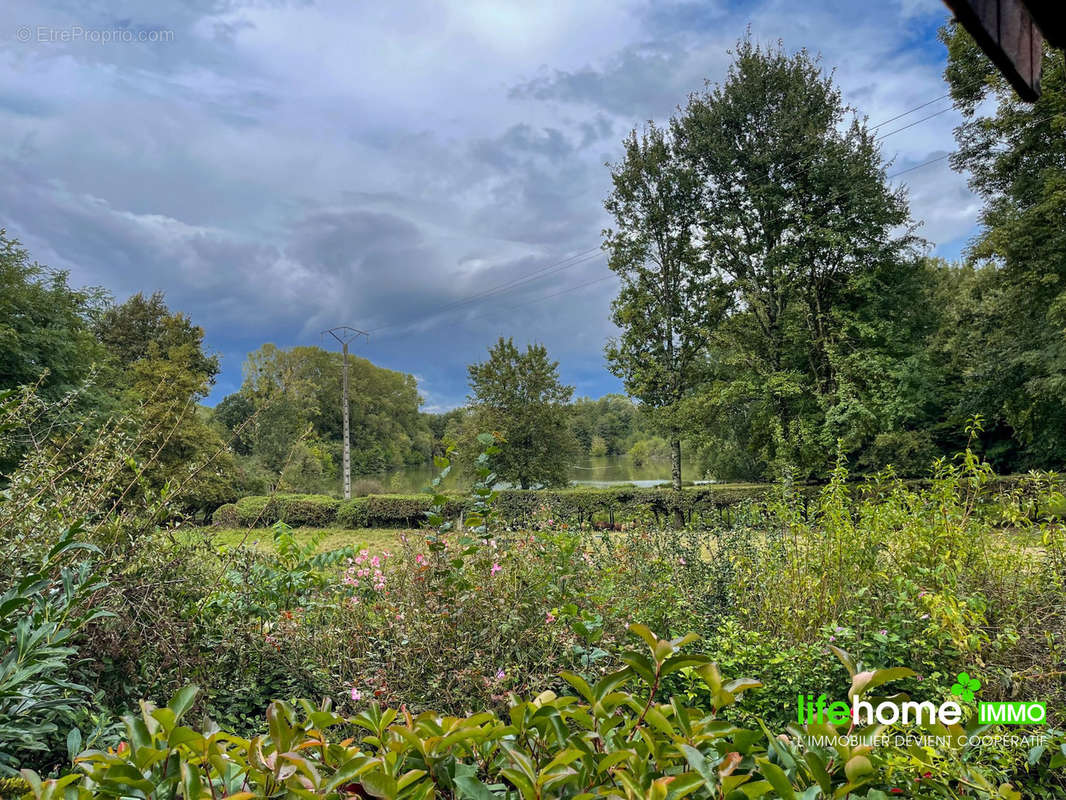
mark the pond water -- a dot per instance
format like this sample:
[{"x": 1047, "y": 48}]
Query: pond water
[{"x": 585, "y": 471}]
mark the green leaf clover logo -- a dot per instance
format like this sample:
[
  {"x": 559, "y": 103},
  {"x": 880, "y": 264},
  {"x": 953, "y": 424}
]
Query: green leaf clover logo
[{"x": 965, "y": 687}]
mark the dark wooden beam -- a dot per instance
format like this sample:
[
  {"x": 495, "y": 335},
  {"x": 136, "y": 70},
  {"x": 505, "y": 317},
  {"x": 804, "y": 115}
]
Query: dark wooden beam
[
  {"x": 1050, "y": 17},
  {"x": 1005, "y": 30}
]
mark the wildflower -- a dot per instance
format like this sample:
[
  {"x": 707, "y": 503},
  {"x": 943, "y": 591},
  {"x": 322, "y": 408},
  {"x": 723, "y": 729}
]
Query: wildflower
[
  {"x": 500, "y": 675},
  {"x": 495, "y": 568},
  {"x": 420, "y": 559},
  {"x": 375, "y": 562},
  {"x": 924, "y": 616},
  {"x": 356, "y": 694},
  {"x": 549, "y": 618},
  {"x": 681, "y": 561},
  {"x": 832, "y": 638},
  {"x": 883, "y": 632}
]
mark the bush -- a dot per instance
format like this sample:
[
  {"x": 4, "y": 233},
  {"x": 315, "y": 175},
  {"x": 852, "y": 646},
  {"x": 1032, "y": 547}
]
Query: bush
[
  {"x": 615, "y": 737},
  {"x": 310, "y": 510},
  {"x": 226, "y": 516}
]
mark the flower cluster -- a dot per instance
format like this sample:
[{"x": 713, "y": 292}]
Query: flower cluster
[{"x": 365, "y": 567}]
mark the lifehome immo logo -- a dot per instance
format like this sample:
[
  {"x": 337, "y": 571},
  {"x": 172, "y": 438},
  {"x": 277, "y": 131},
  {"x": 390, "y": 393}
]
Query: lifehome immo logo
[{"x": 890, "y": 712}]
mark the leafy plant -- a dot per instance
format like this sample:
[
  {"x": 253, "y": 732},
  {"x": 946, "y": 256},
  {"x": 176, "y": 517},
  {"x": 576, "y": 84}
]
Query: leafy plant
[
  {"x": 612, "y": 738},
  {"x": 39, "y": 617}
]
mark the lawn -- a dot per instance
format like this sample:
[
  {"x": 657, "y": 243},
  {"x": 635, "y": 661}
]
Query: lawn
[{"x": 373, "y": 539}]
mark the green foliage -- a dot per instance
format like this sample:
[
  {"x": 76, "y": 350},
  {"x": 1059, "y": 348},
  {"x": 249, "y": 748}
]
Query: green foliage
[
  {"x": 520, "y": 396},
  {"x": 39, "y": 617},
  {"x": 45, "y": 325},
  {"x": 797, "y": 221},
  {"x": 293, "y": 399},
  {"x": 515, "y": 507},
  {"x": 652, "y": 449},
  {"x": 310, "y": 510},
  {"x": 613, "y": 737},
  {"x": 611, "y": 422},
  {"x": 669, "y": 304},
  {"x": 296, "y": 577},
  {"x": 1007, "y": 358}
]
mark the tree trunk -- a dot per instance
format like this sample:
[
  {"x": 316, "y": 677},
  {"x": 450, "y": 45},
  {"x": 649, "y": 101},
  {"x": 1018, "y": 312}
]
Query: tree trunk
[{"x": 675, "y": 475}]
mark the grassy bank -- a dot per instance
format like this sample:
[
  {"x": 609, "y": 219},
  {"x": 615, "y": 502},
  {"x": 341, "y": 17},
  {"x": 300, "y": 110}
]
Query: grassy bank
[{"x": 375, "y": 540}]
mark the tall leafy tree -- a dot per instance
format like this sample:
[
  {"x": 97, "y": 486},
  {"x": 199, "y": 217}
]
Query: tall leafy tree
[
  {"x": 296, "y": 396},
  {"x": 45, "y": 325},
  {"x": 669, "y": 302},
  {"x": 795, "y": 218},
  {"x": 1015, "y": 155},
  {"x": 163, "y": 371},
  {"x": 46, "y": 339},
  {"x": 520, "y": 396}
]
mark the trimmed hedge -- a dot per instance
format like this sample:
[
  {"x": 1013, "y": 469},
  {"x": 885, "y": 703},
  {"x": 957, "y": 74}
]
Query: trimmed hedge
[
  {"x": 515, "y": 506},
  {"x": 391, "y": 510},
  {"x": 311, "y": 510}
]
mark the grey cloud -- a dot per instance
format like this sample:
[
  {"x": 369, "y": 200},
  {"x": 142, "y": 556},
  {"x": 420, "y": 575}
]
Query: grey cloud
[{"x": 631, "y": 84}]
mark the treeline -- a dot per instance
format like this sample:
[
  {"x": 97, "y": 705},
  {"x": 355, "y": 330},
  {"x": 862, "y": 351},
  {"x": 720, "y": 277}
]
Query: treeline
[
  {"x": 93, "y": 361},
  {"x": 286, "y": 419},
  {"x": 777, "y": 307}
]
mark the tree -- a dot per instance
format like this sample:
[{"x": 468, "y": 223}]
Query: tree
[
  {"x": 1015, "y": 351},
  {"x": 669, "y": 302},
  {"x": 143, "y": 327},
  {"x": 46, "y": 338},
  {"x": 159, "y": 365},
  {"x": 796, "y": 221},
  {"x": 45, "y": 325},
  {"x": 520, "y": 396},
  {"x": 296, "y": 396}
]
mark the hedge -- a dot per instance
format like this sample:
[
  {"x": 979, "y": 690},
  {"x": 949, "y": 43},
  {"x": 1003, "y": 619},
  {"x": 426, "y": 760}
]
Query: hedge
[
  {"x": 313, "y": 510},
  {"x": 515, "y": 506}
]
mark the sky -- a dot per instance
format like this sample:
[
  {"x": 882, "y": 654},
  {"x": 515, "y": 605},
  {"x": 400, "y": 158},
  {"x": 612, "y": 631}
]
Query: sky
[{"x": 432, "y": 172}]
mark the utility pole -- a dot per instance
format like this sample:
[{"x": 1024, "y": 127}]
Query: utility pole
[{"x": 345, "y": 334}]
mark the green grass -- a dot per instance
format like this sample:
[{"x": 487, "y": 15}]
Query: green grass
[{"x": 373, "y": 539}]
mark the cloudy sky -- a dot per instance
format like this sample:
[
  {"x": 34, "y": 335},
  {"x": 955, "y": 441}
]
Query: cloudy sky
[{"x": 277, "y": 168}]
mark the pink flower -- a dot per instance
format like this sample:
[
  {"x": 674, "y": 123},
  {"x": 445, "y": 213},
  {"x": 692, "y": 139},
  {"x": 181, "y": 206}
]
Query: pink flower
[
  {"x": 420, "y": 559},
  {"x": 500, "y": 675},
  {"x": 356, "y": 694},
  {"x": 495, "y": 568},
  {"x": 375, "y": 562},
  {"x": 681, "y": 561},
  {"x": 832, "y": 638},
  {"x": 883, "y": 631},
  {"x": 549, "y": 618}
]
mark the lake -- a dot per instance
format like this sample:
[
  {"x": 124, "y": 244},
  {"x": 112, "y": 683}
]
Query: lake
[{"x": 585, "y": 471}]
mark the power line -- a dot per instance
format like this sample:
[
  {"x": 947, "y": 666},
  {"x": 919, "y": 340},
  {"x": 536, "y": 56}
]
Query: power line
[
  {"x": 910, "y": 111},
  {"x": 916, "y": 122},
  {"x": 569, "y": 289},
  {"x": 558, "y": 266}
]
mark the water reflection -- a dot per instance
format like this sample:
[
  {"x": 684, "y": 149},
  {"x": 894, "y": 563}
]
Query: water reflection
[{"x": 587, "y": 471}]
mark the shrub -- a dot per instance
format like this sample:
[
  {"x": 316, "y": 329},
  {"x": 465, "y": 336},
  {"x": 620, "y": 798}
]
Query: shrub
[
  {"x": 613, "y": 737},
  {"x": 226, "y": 516},
  {"x": 311, "y": 510},
  {"x": 38, "y": 619}
]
